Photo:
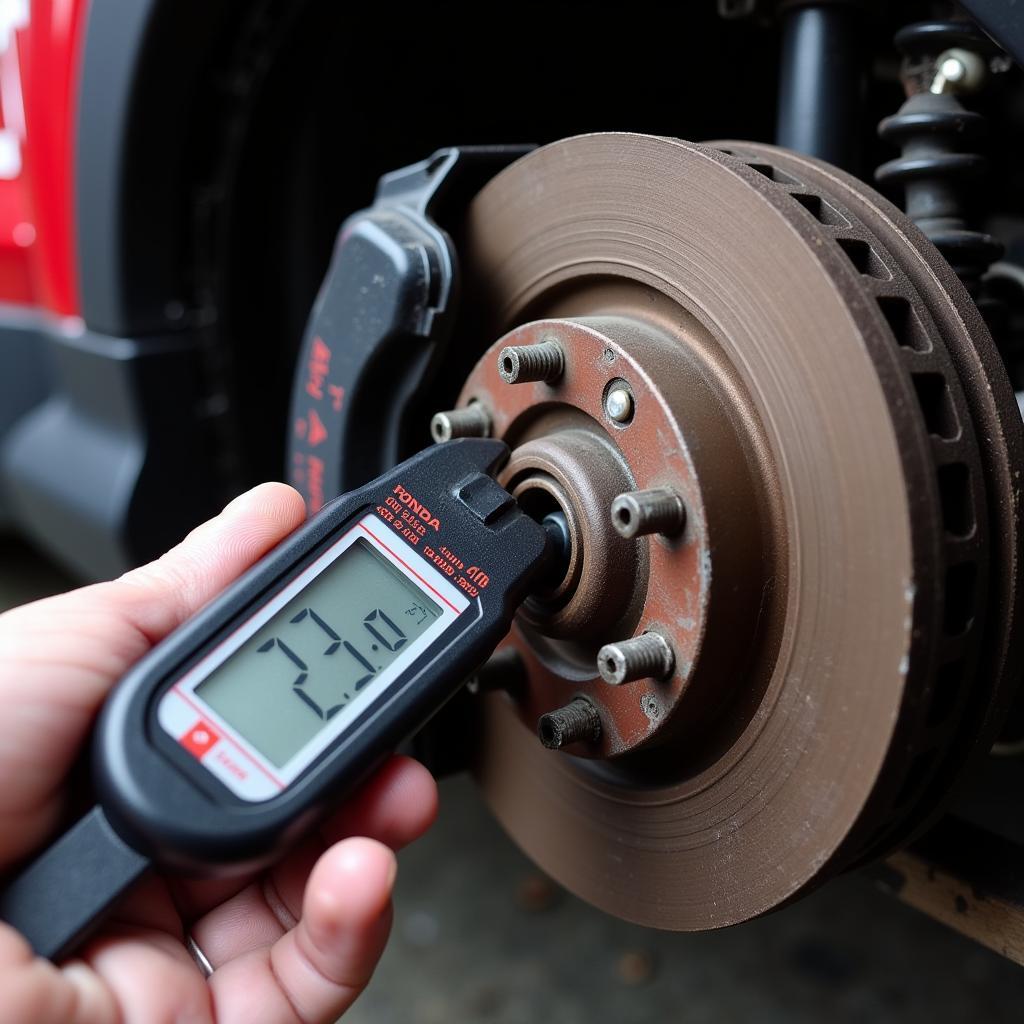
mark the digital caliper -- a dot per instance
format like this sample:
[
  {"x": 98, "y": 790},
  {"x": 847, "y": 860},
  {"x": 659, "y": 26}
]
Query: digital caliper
[{"x": 242, "y": 729}]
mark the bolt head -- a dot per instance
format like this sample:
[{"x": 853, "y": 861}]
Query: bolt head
[
  {"x": 618, "y": 403},
  {"x": 953, "y": 69},
  {"x": 508, "y": 365},
  {"x": 440, "y": 428},
  {"x": 611, "y": 665}
]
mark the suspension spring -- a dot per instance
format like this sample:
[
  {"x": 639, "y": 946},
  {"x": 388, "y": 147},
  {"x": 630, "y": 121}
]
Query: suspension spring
[{"x": 932, "y": 126}]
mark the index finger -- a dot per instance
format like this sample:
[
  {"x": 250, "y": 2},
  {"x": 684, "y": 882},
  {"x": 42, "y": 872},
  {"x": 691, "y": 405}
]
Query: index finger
[{"x": 59, "y": 657}]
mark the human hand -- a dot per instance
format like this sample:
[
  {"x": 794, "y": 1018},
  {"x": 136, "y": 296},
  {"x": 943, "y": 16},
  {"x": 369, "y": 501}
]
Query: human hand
[{"x": 297, "y": 943}]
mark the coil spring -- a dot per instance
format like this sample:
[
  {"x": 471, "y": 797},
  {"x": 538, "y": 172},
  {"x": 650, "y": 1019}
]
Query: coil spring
[{"x": 929, "y": 128}]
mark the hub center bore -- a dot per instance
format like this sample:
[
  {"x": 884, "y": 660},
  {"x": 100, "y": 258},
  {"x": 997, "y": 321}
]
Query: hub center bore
[{"x": 661, "y": 506}]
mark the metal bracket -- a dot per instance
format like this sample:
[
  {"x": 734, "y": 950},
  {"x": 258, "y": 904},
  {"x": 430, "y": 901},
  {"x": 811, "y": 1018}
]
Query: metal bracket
[{"x": 381, "y": 324}]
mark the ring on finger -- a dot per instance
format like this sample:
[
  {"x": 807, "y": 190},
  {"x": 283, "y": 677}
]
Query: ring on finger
[{"x": 201, "y": 959}]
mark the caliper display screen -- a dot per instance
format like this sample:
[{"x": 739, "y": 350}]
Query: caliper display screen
[{"x": 330, "y": 642}]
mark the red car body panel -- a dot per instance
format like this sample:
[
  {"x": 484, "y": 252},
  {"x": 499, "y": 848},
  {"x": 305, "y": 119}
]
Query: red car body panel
[{"x": 41, "y": 46}]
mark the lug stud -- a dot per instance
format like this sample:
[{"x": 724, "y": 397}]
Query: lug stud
[
  {"x": 640, "y": 512},
  {"x": 618, "y": 404},
  {"x": 577, "y": 720},
  {"x": 648, "y": 656},
  {"x": 520, "y": 363},
  {"x": 472, "y": 421}
]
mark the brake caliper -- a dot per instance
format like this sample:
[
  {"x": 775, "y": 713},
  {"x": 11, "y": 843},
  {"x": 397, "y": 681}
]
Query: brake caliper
[{"x": 381, "y": 324}]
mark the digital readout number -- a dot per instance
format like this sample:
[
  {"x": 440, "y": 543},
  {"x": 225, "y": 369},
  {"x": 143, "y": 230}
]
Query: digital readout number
[{"x": 377, "y": 623}]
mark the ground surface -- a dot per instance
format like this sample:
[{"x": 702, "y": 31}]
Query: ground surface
[{"x": 481, "y": 937}]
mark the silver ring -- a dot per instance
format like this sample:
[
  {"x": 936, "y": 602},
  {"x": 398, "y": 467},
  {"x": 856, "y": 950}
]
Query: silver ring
[{"x": 201, "y": 959}]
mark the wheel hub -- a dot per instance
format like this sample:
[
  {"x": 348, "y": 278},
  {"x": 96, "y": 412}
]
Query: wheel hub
[{"x": 700, "y": 589}]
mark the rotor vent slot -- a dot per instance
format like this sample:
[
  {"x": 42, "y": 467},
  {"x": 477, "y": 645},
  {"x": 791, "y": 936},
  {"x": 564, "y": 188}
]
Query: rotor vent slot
[
  {"x": 956, "y": 499},
  {"x": 864, "y": 258},
  {"x": 961, "y": 580},
  {"x": 945, "y": 691},
  {"x": 905, "y": 323},
  {"x": 774, "y": 174},
  {"x": 937, "y": 405},
  {"x": 822, "y": 211}
]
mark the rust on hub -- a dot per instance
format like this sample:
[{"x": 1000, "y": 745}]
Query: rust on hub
[{"x": 569, "y": 451}]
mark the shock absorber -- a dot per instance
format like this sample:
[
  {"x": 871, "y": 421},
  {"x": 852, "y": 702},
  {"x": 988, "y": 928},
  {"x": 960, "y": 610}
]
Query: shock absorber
[{"x": 944, "y": 59}]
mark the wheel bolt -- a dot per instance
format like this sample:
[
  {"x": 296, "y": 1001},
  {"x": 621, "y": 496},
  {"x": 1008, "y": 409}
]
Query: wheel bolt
[
  {"x": 648, "y": 656},
  {"x": 519, "y": 363},
  {"x": 618, "y": 403},
  {"x": 472, "y": 421},
  {"x": 640, "y": 512},
  {"x": 577, "y": 720}
]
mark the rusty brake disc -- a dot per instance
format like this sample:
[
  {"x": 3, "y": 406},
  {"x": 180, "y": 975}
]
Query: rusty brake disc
[{"x": 802, "y": 375}]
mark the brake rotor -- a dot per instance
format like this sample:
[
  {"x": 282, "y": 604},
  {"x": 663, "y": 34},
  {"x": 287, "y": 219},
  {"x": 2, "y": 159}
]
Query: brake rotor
[{"x": 795, "y": 360}]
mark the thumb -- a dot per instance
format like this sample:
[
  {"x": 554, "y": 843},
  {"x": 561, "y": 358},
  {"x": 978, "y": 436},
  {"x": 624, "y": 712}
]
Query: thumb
[
  {"x": 314, "y": 972},
  {"x": 59, "y": 657}
]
